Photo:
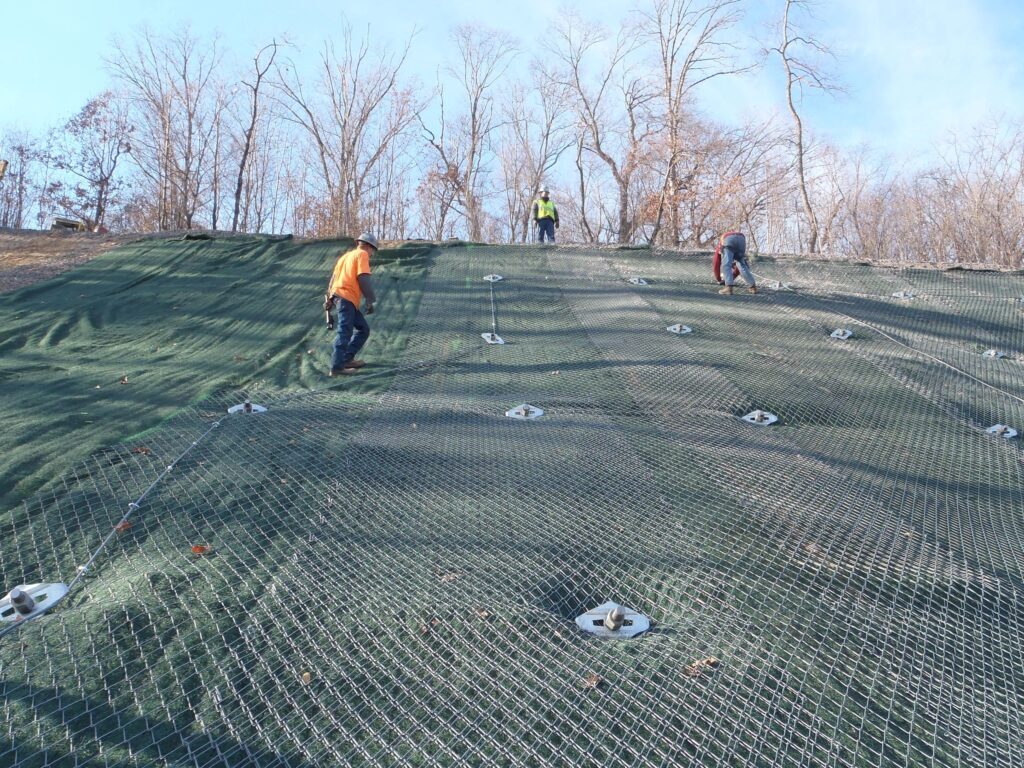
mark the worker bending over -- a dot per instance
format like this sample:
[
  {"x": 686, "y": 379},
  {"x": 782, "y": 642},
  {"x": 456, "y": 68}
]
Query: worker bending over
[
  {"x": 350, "y": 283},
  {"x": 545, "y": 216},
  {"x": 732, "y": 246},
  {"x": 716, "y": 266}
]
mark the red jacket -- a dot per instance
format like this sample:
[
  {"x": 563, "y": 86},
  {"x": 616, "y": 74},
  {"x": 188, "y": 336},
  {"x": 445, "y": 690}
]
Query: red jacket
[{"x": 716, "y": 265}]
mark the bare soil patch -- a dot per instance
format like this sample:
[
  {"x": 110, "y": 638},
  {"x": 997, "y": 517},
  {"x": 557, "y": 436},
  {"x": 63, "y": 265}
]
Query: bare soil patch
[{"x": 28, "y": 256}]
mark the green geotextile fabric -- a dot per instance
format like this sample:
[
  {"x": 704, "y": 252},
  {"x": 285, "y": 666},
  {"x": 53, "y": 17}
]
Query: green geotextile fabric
[
  {"x": 177, "y": 320},
  {"x": 393, "y": 578}
]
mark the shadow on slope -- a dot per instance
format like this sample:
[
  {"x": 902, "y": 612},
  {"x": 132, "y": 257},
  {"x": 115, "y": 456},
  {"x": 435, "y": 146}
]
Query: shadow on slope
[{"x": 176, "y": 321}]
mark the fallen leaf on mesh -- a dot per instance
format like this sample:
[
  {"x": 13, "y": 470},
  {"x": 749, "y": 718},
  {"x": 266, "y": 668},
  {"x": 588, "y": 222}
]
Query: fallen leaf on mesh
[
  {"x": 141, "y": 449},
  {"x": 123, "y": 526},
  {"x": 593, "y": 680},
  {"x": 697, "y": 668},
  {"x": 425, "y": 628},
  {"x": 447, "y": 577},
  {"x": 483, "y": 613},
  {"x": 200, "y": 549},
  {"x": 306, "y": 678}
]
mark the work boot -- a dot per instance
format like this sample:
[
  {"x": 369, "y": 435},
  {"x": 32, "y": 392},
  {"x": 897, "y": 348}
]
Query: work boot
[
  {"x": 354, "y": 364},
  {"x": 727, "y": 291},
  {"x": 753, "y": 289}
]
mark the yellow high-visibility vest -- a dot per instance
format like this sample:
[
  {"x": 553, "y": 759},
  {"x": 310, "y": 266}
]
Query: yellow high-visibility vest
[{"x": 545, "y": 209}]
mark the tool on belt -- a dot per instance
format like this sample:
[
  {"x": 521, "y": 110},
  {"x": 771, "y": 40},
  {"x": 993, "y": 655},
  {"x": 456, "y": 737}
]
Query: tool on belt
[{"x": 328, "y": 307}]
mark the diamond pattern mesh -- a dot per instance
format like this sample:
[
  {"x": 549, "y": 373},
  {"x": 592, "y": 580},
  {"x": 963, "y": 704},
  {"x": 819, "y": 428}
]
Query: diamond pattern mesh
[{"x": 392, "y": 578}]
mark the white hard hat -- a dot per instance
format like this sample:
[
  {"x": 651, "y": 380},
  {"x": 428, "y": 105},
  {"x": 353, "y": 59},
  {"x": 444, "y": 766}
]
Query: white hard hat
[
  {"x": 368, "y": 238},
  {"x": 544, "y": 190}
]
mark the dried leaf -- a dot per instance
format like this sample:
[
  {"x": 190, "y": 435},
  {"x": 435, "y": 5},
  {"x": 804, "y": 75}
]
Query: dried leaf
[
  {"x": 593, "y": 680},
  {"x": 200, "y": 549},
  {"x": 141, "y": 449},
  {"x": 447, "y": 577},
  {"x": 425, "y": 628},
  {"x": 697, "y": 668},
  {"x": 123, "y": 526},
  {"x": 306, "y": 678}
]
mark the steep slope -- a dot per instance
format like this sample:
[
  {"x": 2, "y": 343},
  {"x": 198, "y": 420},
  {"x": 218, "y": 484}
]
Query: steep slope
[{"x": 176, "y": 320}]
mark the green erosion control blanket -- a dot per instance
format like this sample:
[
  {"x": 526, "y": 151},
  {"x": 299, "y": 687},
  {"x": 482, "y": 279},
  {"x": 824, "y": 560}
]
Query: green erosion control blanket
[
  {"x": 394, "y": 579},
  {"x": 177, "y": 321}
]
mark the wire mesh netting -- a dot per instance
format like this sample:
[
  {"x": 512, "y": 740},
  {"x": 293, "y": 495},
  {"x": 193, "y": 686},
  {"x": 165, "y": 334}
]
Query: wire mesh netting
[{"x": 354, "y": 579}]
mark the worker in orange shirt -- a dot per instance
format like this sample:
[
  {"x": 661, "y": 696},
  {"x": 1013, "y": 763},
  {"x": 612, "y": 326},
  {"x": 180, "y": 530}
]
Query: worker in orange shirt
[{"x": 350, "y": 284}]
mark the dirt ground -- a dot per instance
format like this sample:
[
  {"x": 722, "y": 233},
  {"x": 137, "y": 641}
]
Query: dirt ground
[{"x": 28, "y": 256}]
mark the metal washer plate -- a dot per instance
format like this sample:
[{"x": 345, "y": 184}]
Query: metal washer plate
[
  {"x": 679, "y": 328},
  {"x": 637, "y": 281},
  {"x": 760, "y": 418},
  {"x": 525, "y": 411},
  {"x": 842, "y": 333},
  {"x": 253, "y": 408},
  {"x": 44, "y": 596},
  {"x": 492, "y": 338},
  {"x": 493, "y": 278},
  {"x": 593, "y": 622},
  {"x": 1002, "y": 431}
]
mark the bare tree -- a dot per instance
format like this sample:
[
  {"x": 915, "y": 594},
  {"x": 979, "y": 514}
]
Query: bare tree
[
  {"x": 612, "y": 113},
  {"x": 170, "y": 84},
  {"x": 730, "y": 174},
  {"x": 361, "y": 107},
  {"x": 262, "y": 62},
  {"x": 536, "y": 132},
  {"x": 800, "y": 55},
  {"x": 692, "y": 49},
  {"x": 89, "y": 148},
  {"x": 867, "y": 191},
  {"x": 462, "y": 141},
  {"x": 20, "y": 183},
  {"x": 435, "y": 197},
  {"x": 970, "y": 205}
]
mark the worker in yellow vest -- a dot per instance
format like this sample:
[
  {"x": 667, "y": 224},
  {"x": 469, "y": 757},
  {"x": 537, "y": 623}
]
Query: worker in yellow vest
[{"x": 545, "y": 216}]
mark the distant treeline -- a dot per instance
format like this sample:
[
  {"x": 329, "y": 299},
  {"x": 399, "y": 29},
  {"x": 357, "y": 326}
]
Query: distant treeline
[{"x": 186, "y": 138}]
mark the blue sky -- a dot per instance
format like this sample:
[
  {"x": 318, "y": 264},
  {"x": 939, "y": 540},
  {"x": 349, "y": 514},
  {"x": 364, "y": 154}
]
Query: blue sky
[{"x": 915, "y": 70}]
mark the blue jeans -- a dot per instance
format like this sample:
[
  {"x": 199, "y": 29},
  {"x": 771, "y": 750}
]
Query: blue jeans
[
  {"x": 545, "y": 226},
  {"x": 732, "y": 256},
  {"x": 352, "y": 334}
]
